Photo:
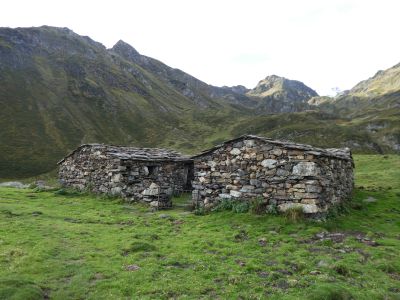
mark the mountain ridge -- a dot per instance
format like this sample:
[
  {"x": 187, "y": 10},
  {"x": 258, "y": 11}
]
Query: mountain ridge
[{"x": 59, "y": 89}]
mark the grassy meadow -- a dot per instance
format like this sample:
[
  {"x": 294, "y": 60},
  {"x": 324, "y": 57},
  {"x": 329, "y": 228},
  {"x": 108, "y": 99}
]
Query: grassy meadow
[{"x": 65, "y": 245}]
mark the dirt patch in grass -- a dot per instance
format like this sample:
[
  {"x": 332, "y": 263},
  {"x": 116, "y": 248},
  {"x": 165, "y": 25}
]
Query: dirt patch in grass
[{"x": 138, "y": 247}]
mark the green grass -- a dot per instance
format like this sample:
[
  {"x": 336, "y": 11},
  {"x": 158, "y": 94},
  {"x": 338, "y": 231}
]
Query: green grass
[{"x": 72, "y": 246}]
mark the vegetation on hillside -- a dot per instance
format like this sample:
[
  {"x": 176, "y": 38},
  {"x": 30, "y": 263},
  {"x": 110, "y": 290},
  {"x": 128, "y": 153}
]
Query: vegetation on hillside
[
  {"x": 59, "y": 90},
  {"x": 66, "y": 245}
]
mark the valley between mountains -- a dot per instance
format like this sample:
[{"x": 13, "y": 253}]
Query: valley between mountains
[{"x": 59, "y": 90}]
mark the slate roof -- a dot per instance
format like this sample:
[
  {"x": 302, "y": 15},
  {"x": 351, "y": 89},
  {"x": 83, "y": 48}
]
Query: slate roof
[
  {"x": 342, "y": 153},
  {"x": 133, "y": 153}
]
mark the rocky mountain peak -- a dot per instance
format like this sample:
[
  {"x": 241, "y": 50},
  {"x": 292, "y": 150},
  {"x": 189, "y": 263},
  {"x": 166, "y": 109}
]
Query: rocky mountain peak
[
  {"x": 277, "y": 94},
  {"x": 275, "y": 84},
  {"x": 125, "y": 50}
]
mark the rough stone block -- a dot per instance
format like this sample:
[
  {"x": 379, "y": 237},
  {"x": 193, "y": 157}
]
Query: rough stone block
[
  {"x": 277, "y": 152},
  {"x": 269, "y": 163},
  {"x": 307, "y": 208},
  {"x": 306, "y": 169},
  {"x": 224, "y": 196},
  {"x": 235, "y": 151},
  {"x": 235, "y": 194},
  {"x": 249, "y": 143},
  {"x": 313, "y": 189},
  {"x": 116, "y": 190}
]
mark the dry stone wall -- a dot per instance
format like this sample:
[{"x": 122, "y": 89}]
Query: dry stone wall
[
  {"x": 92, "y": 168},
  {"x": 284, "y": 175}
]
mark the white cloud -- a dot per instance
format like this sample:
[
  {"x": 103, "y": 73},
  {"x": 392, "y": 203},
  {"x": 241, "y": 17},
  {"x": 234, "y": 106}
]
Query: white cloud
[{"x": 333, "y": 43}]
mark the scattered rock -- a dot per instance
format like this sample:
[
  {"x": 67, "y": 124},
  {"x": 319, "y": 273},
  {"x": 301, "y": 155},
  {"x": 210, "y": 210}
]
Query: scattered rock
[
  {"x": 292, "y": 282},
  {"x": 240, "y": 262},
  {"x": 365, "y": 256},
  {"x": 164, "y": 216},
  {"x": 322, "y": 263},
  {"x": 315, "y": 272},
  {"x": 284, "y": 272},
  {"x": 132, "y": 268},
  {"x": 370, "y": 200},
  {"x": 271, "y": 263},
  {"x": 336, "y": 237},
  {"x": 263, "y": 274},
  {"x": 42, "y": 185},
  {"x": 178, "y": 222},
  {"x": 262, "y": 242},
  {"x": 14, "y": 184},
  {"x": 99, "y": 276},
  {"x": 282, "y": 284},
  {"x": 241, "y": 236},
  {"x": 366, "y": 240}
]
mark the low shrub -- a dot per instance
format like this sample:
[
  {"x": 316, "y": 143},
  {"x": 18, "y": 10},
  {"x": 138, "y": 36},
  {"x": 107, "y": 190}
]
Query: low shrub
[
  {"x": 327, "y": 291},
  {"x": 340, "y": 209},
  {"x": 240, "y": 206},
  {"x": 200, "y": 211},
  {"x": 17, "y": 288},
  {"x": 342, "y": 270},
  {"x": 272, "y": 209},
  {"x": 390, "y": 267},
  {"x": 224, "y": 204},
  {"x": 294, "y": 214},
  {"x": 258, "y": 206}
]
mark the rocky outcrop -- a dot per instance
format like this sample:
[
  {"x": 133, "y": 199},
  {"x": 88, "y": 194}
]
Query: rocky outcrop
[
  {"x": 276, "y": 94},
  {"x": 283, "y": 174},
  {"x": 383, "y": 82}
]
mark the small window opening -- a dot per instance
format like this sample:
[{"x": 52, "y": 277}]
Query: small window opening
[{"x": 152, "y": 170}]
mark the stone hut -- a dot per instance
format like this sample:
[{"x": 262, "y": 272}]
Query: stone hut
[
  {"x": 282, "y": 174},
  {"x": 149, "y": 175}
]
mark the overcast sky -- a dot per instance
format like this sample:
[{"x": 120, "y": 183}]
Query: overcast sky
[{"x": 324, "y": 43}]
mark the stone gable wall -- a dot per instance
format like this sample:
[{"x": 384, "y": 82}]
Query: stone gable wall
[
  {"x": 278, "y": 174},
  {"x": 149, "y": 181}
]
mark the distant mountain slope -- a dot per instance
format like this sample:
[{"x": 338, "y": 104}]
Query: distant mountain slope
[
  {"x": 383, "y": 82},
  {"x": 378, "y": 91},
  {"x": 189, "y": 86},
  {"x": 59, "y": 89},
  {"x": 372, "y": 106}
]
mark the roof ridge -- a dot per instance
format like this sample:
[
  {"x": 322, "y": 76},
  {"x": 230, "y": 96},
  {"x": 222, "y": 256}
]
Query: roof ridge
[
  {"x": 342, "y": 153},
  {"x": 138, "y": 153}
]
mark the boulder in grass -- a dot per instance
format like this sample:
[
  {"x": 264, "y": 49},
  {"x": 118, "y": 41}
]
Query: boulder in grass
[{"x": 14, "y": 184}]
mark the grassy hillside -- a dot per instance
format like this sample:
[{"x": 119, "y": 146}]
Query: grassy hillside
[
  {"x": 59, "y": 90},
  {"x": 62, "y": 245}
]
